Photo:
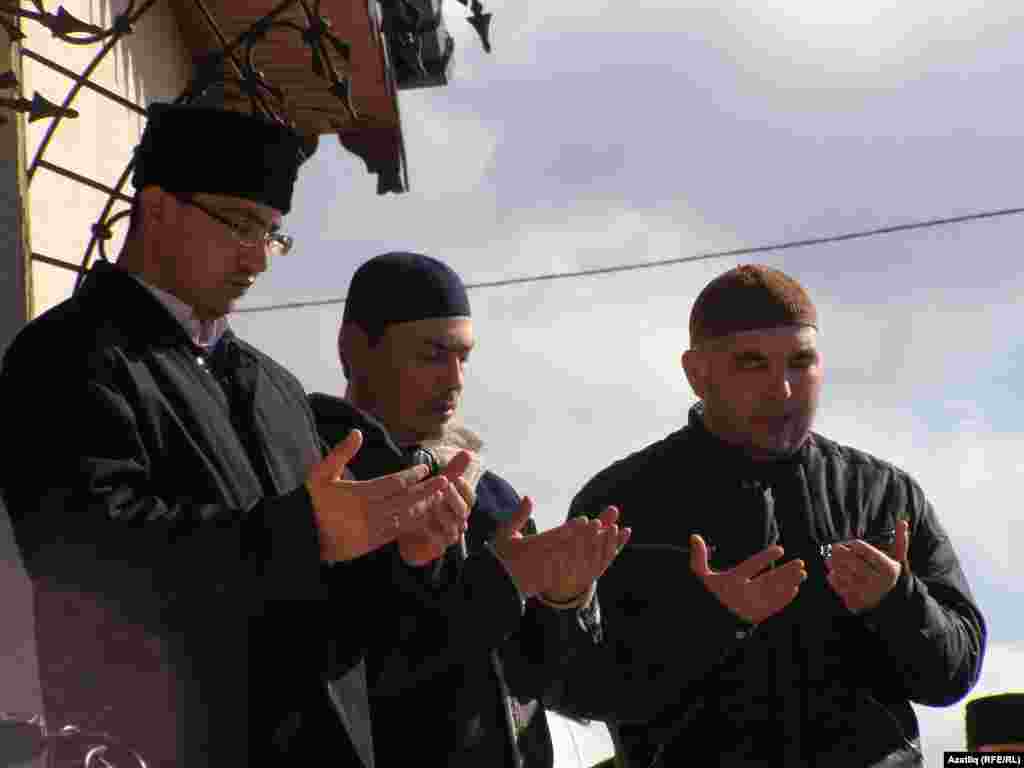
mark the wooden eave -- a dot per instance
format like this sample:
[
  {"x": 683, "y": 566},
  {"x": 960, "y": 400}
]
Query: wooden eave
[{"x": 286, "y": 63}]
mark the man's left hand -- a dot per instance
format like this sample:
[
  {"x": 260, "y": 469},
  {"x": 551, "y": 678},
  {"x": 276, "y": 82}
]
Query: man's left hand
[
  {"x": 862, "y": 575},
  {"x": 449, "y": 519},
  {"x": 593, "y": 555}
]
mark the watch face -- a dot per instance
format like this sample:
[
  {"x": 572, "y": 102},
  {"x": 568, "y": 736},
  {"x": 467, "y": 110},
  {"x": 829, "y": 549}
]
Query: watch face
[{"x": 421, "y": 455}]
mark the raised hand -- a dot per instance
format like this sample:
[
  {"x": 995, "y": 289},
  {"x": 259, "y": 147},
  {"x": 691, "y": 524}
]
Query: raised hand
[
  {"x": 356, "y": 517},
  {"x": 862, "y": 574},
  {"x": 562, "y": 563},
  {"x": 741, "y": 589},
  {"x": 446, "y": 522},
  {"x": 590, "y": 554}
]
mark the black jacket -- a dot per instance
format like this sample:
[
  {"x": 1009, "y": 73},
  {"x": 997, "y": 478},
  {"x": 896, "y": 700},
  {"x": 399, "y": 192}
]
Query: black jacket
[
  {"x": 180, "y": 600},
  {"x": 451, "y": 643},
  {"x": 813, "y": 685}
]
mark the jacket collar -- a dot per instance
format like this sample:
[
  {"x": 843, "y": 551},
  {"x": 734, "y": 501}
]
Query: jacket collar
[
  {"x": 733, "y": 459},
  {"x": 202, "y": 334},
  {"x": 131, "y": 308}
]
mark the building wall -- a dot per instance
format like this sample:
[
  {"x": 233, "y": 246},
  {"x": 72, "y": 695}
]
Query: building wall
[
  {"x": 52, "y": 215},
  {"x": 148, "y": 65}
]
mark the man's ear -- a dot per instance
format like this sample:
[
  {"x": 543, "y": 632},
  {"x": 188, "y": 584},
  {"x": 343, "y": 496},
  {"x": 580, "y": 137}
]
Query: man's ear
[
  {"x": 698, "y": 368},
  {"x": 152, "y": 202},
  {"x": 353, "y": 346}
]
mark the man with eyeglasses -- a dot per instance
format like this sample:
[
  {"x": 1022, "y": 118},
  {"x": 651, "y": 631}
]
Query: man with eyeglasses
[
  {"x": 191, "y": 547},
  {"x": 804, "y": 593}
]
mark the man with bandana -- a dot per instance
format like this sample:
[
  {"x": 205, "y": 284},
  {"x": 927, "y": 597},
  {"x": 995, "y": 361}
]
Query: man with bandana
[
  {"x": 191, "y": 547},
  {"x": 814, "y": 592},
  {"x": 463, "y": 682}
]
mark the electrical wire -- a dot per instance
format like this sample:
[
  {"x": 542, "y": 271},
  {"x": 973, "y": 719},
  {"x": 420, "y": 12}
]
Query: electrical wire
[{"x": 629, "y": 267}]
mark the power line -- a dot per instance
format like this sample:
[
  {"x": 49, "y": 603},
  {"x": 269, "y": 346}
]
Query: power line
[{"x": 927, "y": 223}]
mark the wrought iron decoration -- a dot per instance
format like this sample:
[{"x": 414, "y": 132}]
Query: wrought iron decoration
[{"x": 233, "y": 65}]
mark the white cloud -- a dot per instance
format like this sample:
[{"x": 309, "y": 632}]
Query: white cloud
[{"x": 452, "y": 150}]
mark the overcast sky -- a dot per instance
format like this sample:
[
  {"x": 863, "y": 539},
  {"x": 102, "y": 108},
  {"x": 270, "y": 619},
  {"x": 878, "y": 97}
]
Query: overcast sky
[
  {"x": 605, "y": 133},
  {"x": 599, "y": 134}
]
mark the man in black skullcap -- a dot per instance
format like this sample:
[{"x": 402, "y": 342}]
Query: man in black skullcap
[
  {"x": 996, "y": 723},
  {"x": 471, "y": 643},
  {"x": 819, "y": 596},
  {"x": 191, "y": 547}
]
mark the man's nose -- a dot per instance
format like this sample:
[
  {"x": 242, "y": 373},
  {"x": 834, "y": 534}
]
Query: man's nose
[
  {"x": 782, "y": 386},
  {"x": 454, "y": 372}
]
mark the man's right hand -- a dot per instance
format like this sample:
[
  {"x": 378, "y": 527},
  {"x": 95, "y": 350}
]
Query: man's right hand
[
  {"x": 575, "y": 553},
  {"x": 742, "y": 590},
  {"x": 356, "y": 517}
]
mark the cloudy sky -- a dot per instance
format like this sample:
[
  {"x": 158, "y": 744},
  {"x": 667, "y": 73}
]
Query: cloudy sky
[{"x": 600, "y": 134}]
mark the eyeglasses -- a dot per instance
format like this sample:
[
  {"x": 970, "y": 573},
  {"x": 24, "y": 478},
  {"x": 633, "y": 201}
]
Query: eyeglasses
[{"x": 247, "y": 233}]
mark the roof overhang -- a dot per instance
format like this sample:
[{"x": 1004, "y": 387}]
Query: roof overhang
[{"x": 353, "y": 95}]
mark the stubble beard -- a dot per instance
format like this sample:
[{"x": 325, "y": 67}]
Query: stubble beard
[{"x": 723, "y": 421}]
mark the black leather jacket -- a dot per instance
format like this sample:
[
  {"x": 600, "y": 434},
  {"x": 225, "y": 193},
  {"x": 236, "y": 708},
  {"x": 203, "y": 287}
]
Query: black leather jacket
[{"x": 813, "y": 685}]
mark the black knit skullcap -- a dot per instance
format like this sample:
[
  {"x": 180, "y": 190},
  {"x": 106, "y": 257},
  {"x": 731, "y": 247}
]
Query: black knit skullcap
[
  {"x": 192, "y": 149},
  {"x": 747, "y": 298},
  {"x": 995, "y": 719},
  {"x": 402, "y": 287}
]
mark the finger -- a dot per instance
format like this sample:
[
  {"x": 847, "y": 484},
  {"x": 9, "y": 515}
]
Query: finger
[
  {"x": 511, "y": 527},
  {"x": 609, "y": 516},
  {"x": 841, "y": 583},
  {"x": 410, "y": 508},
  {"x": 396, "y": 484},
  {"x": 754, "y": 564},
  {"x": 902, "y": 541},
  {"x": 856, "y": 572},
  {"x": 441, "y": 522},
  {"x": 331, "y": 467},
  {"x": 872, "y": 558},
  {"x": 458, "y": 511},
  {"x": 419, "y": 510},
  {"x": 447, "y": 532},
  {"x": 699, "y": 555},
  {"x": 782, "y": 597},
  {"x": 624, "y": 536},
  {"x": 561, "y": 536},
  {"x": 612, "y": 539},
  {"x": 390, "y": 520},
  {"x": 457, "y": 466},
  {"x": 784, "y": 577},
  {"x": 591, "y": 547},
  {"x": 575, "y": 561},
  {"x": 846, "y": 591},
  {"x": 465, "y": 492}
]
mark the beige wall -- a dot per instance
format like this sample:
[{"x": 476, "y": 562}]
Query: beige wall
[{"x": 148, "y": 65}]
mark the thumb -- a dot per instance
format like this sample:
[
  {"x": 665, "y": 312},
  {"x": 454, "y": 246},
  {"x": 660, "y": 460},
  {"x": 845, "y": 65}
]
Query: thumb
[
  {"x": 334, "y": 463},
  {"x": 511, "y": 527},
  {"x": 457, "y": 466},
  {"x": 902, "y": 541},
  {"x": 699, "y": 555}
]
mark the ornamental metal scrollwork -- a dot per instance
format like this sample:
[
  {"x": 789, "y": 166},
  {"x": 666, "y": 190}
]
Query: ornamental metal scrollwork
[
  {"x": 234, "y": 68},
  {"x": 66, "y": 26},
  {"x": 24, "y": 738}
]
